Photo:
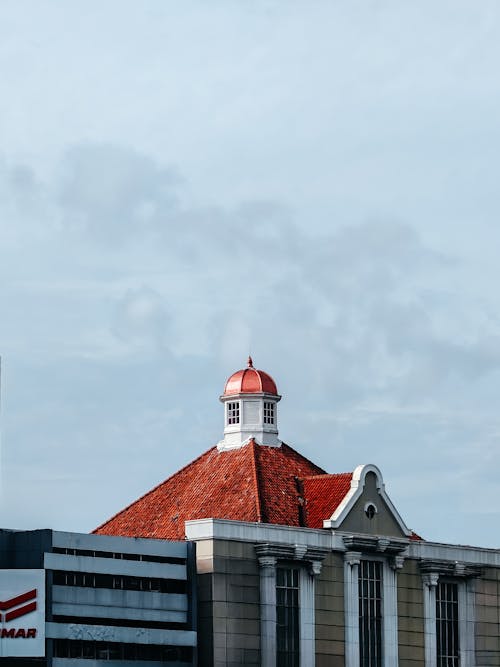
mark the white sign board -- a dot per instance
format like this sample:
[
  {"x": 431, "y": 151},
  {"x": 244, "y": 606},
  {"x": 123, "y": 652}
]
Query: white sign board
[{"x": 22, "y": 613}]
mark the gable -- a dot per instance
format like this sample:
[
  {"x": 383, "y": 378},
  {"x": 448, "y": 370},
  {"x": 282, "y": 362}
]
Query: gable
[{"x": 353, "y": 514}]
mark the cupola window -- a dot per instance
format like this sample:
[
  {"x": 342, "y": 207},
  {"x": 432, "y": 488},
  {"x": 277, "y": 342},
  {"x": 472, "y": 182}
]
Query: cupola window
[
  {"x": 268, "y": 412},
  {"x": 233, "y": 412}
]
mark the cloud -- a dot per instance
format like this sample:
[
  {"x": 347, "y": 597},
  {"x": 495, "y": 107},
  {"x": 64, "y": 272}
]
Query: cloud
[
  {"x": 115, "y": 194},
  {"x": 141, "y": 318},
  {"x": 135, "y": 303}
]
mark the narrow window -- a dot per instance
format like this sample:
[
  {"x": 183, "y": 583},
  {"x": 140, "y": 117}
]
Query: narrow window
[
  {"x": 447, "y": 624},
  {"x": 233, "y": 413},
  {"x": 370, "y": 613},
  {"x": 268, "y": 412},
  {"x": 287, "y": 617}
]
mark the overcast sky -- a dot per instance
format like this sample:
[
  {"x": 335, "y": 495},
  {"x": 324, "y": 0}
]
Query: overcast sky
[{"x": 315, "y": 182}]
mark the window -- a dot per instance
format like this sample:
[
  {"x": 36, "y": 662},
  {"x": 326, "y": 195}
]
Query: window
[
  {"x": 120, "y": 582},
  {"x": 370, "y": 613},
  {"x": 233, "y": 413},
  {"x": 96, "y": 650},
  {"x": 287, "y": 617},
  {"x": 268, "y": 412},
  {"x": 447, "y": 624},
  {"x": 370, "y": 510}
]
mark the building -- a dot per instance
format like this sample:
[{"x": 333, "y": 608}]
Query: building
[
  {"x": 68, "y": 600},
  {"x": 299, "y": 567}
]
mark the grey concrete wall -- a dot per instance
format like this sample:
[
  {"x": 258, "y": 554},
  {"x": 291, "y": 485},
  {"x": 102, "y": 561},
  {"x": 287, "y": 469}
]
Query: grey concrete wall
[
  {"x": 106, "y": 603},
  {"x": 411, "y": 646},
  {"x": 33, "y": 549},
  {"x": 382, "y": 523},
  {"x": 236, "y": 605},
  {"x": 487, "y": 631},
  {"x": 229, "y": 604},
  {"x": 329, "y": 613}
]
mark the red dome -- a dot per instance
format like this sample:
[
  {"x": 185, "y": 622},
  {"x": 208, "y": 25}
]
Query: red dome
[{"x": 250, "y": 381}]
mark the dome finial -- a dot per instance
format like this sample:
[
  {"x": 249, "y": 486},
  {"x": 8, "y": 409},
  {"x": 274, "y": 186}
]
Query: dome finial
[{"x": 250, "y": 362}]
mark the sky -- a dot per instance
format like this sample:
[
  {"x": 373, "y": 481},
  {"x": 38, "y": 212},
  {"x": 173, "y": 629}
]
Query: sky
[{"x": 312, "y": 182}]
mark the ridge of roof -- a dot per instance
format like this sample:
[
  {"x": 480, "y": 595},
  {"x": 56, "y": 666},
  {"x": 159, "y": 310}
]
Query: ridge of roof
[
  {"x": 258, "y": 499},
  {"x": 157, "y": 486},
  {"x": 327, "y": 474}
]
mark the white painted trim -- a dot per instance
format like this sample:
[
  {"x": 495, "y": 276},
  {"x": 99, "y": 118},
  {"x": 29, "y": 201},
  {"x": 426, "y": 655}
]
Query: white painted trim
[
  {"x": 307, "y": 620},
  {"x": 357, "y": 486},
  {"x": 466, "y": 623},
  {"x": 351, "y": 608},
  {"x": 466, "y": 620},
  {"x": 241, "y": 531},
  {"x": 227, "y": 444},
  {"x": 251, "y": 423},
  {"x": 368, "y": 504},
  {"x": 390, "y": 616},
  {"x": 451, "y": 552},
  {"x": 429, "y": 582},
  {"x": 244, "y": 531},
  {"x": 267, "y": 571}
]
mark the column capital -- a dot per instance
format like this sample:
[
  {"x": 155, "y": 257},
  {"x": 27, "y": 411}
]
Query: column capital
[
  {"x": 397, "y": 562},
  {"x": 352, "y": 557},
  {"x": 315, "y": 568},
  {"x": 430, "y": 579},
  {"x": 267, "y": 561},
  {"x": 300, "y": 551}
]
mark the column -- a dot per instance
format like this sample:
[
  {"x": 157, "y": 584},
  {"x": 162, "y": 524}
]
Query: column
[
  {"x": 430, "y": 581},
  {"x": 390, "y": 610},
  {"x": 307, "y": 620},
  {"x": 351, "y": 606},
  {"x": 466, "y": 614},
  {"x": 268, "y": 610}
]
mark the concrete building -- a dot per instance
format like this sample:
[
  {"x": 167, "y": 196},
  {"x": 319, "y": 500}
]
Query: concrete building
[
  {"x": 299, "y": 567},
  {"x": 73, "y": 600}
]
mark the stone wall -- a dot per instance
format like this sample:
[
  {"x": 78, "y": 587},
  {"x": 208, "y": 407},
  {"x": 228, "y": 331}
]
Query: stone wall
[
  {"x": 487, "y": 610},
  {"x": 229, "y": 609},
  {"x": 330, "y": 613},
  {"x": 228, "y": 597},
  {"x": 411, "y": 647}
]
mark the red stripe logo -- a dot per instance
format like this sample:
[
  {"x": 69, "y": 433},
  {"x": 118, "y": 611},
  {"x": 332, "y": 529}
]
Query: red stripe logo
[{"x": 8, "y": 605}]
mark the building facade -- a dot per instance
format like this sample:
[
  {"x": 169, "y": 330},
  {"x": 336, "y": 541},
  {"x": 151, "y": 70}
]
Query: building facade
[
  {"x": 300, "y": 568},
  {"x": 73, "y": 600}
]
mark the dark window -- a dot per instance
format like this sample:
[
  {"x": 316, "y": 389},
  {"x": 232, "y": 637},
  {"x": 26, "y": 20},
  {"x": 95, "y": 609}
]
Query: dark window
[
  {"x": 121, "y": 582},
  {"x": 370, "y": 510},
  {"x": 233, "y": 413},
  {"x": 370, "y": 613},
  {"x": 120, "y": 556},
  {"x": 67, "y": 648},
  {"x": 447, "y": 624},
  {"x": 287, "y": 617},
  {"x": 268, "y": 412}
]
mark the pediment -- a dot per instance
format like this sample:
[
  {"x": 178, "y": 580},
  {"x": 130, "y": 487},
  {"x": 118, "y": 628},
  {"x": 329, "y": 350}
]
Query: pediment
[{"x": 366, "y": 508}]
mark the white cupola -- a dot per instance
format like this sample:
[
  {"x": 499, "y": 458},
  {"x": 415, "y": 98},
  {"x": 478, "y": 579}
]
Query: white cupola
[{"x": 250, "y": 402}]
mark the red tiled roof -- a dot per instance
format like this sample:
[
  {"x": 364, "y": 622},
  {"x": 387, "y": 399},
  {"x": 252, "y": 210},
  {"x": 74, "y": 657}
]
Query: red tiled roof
[
  {"x": 323, "y": 494},
  {"x": 255, "y": 483},
  {"x": 415, "y": 536},
  {"x": 252, "y": 483}
]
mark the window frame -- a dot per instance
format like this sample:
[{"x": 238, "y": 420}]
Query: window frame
[
  {"x": 290, "y": 656},
  {"x": 233, "y": 413},
  {"x": 371, "y": 612},
  {"x": 269, "y": 413},
  {"x": 446, "y": 622}
]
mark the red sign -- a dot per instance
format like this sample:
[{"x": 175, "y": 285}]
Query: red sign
[{"x": 7, "y": 605}]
